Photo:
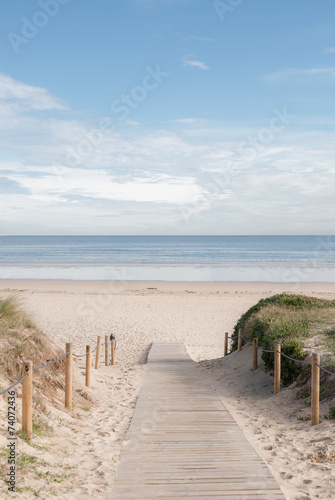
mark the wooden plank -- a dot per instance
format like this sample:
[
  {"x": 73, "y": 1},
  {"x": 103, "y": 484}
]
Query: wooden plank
[{"x": 183, "y": 443}]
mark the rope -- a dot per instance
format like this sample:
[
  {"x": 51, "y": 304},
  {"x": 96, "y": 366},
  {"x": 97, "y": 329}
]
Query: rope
[
  {"x": 245, "y": 340},
  {"x": 80, "y": 355},
  {"x": 86, "y": 353},
  {"x": 296, "y": 360},
  {"x": 51, "y": 362},
  {"x": 288, "y": 357},
  {"x": 324, "y": 369},
  {"x": 265, "y": 350},
  {"x": 13, "y": 385},
  {"x": 251, "y": 343},
  {"x": 96, "y": 347}
]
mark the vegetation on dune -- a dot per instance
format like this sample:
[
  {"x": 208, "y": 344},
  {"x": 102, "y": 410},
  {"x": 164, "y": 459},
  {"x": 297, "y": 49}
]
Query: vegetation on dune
[
  {"x": 288, "y": 320},
  {"x": 20, "y": 340}
]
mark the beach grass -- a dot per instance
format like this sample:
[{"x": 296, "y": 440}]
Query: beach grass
[
  {"x": 292, "y": 321},
  {"x": 21, "y": 340}
]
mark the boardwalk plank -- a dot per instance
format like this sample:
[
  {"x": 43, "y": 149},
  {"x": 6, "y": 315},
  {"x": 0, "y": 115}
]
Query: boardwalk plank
[{"x": 183, "y": 443}]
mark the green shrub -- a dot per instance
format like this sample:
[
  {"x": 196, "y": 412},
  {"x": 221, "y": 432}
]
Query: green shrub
[
  {"x": 285, "y": 332},
  {"x": 280, "y": 319},
  {"x": 331, "y": 413},
  {"x": 284, "y": 300}
]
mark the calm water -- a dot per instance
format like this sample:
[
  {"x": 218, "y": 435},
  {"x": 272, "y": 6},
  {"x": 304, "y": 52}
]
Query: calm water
[{"x": 198, "y": 258}]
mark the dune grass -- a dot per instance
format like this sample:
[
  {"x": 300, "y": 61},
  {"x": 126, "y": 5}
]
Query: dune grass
[
  {"x": 21, "y": 340},
  {"x": 289, "y": 320}
]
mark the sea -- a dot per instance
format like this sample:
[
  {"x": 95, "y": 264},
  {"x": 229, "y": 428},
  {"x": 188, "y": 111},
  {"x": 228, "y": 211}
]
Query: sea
[{"x": 279, "y": 259}]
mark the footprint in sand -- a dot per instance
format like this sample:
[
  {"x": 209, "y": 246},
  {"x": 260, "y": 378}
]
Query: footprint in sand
[{"x": 284, "y": 475}]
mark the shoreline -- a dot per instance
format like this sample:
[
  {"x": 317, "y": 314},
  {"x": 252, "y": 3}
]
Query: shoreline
[
  {"x": 261, "y": 273},
  {"x": 114, "y": 286}
]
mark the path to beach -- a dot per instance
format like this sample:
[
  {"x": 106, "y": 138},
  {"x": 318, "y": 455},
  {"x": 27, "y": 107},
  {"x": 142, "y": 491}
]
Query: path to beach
[
  {"x": 183, "y": 442},
  {"x": 197, "y": 315}
]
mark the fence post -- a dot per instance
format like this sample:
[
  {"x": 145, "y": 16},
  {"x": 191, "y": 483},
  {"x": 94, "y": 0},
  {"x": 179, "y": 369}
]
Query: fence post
[
  {"x": 112, "y": 350},
  {"x": 277, "y": 372},
  {"x": 315, "y": 388},
  {"x": 106, "y": 350},
  {"x": 88, "y": 366},
  {"x": 27, "y": 399},
  {"x": 97, "y": 357},
  {"x": 254, "y": 355},
  {"x": 68, "y": 377},
  {"x": 225, "y": 344},
  {"x": 239, "y": 344}
]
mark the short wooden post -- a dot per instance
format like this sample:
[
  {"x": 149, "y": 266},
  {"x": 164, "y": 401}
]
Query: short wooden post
[
  {"x": 254, "y": 355},
  {"x": 88, "y": 366},
  {"x": 225, "y": 344},
  {"x": 68, "y": 377},
  {"x": 27, "y": 399},
  {"x": 106, "y": 350},
  {"x": 315, "y": 388},
  {"x": 239, "y": 344},
  {"x": 277, "y": 371},
  {"x": 97, "y": 357},
  {"x": 112, "y": 350}
]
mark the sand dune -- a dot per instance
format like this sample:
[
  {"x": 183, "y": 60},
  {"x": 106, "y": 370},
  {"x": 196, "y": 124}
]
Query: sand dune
[{"x": 139, "y": 313}]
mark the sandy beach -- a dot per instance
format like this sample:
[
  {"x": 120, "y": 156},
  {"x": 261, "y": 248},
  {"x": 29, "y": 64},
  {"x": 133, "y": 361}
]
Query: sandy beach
[{"x": 137, "y": 313}]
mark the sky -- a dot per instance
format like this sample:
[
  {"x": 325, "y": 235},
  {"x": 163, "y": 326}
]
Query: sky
[{"x": 167, "y": 117}]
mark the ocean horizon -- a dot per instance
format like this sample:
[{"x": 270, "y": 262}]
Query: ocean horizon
[{"x": 169, "y": 258}]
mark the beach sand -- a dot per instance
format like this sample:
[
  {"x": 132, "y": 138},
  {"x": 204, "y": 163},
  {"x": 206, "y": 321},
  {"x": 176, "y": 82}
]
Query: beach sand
[{"x": 86, "y": 444}]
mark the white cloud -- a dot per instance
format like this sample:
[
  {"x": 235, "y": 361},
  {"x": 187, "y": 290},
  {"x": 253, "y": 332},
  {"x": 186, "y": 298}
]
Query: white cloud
[
  {"x": 132, "y": 123},
  {"x": 196, "y": 64},
  {"x": 99, "y": 184},
  {"x": 330, "y": 50},
  {"x": 293, "y": 74},
  {"x": 33, "y": 98},
  {"x": 189, "y": 121},
  {"x": 186, "y": 38},
  {"x": 149, "y": 178}
]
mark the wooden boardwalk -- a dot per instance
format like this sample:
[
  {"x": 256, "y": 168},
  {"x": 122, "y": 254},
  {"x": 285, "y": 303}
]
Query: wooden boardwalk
[{"x": 183, "y": 442}]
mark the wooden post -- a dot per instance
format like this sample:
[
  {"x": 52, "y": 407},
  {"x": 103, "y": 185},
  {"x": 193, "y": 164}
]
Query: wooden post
[
  {"x": 225, "y": 344},
  {"x": 277, "y": 371},
  {"x": 106, "y": 350},
  {"x": 239, "y": 344},
  {"x": 97, "y": 357},
  {"x": 88, "y": 366},
  {"x": 27, "y": 399},
  {"x": 68, "y": 377},
  {"x": 254, "y": 355},
  {"x": 315, "y": 388},
  {"x": 113, "y": 350}
]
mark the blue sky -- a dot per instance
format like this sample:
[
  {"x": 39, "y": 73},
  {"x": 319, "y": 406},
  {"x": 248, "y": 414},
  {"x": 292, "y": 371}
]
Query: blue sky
[{"x": 167, "y": 117}]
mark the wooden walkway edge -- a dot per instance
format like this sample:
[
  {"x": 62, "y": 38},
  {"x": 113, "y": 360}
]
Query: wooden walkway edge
[{"x": 183, "y": 443}]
